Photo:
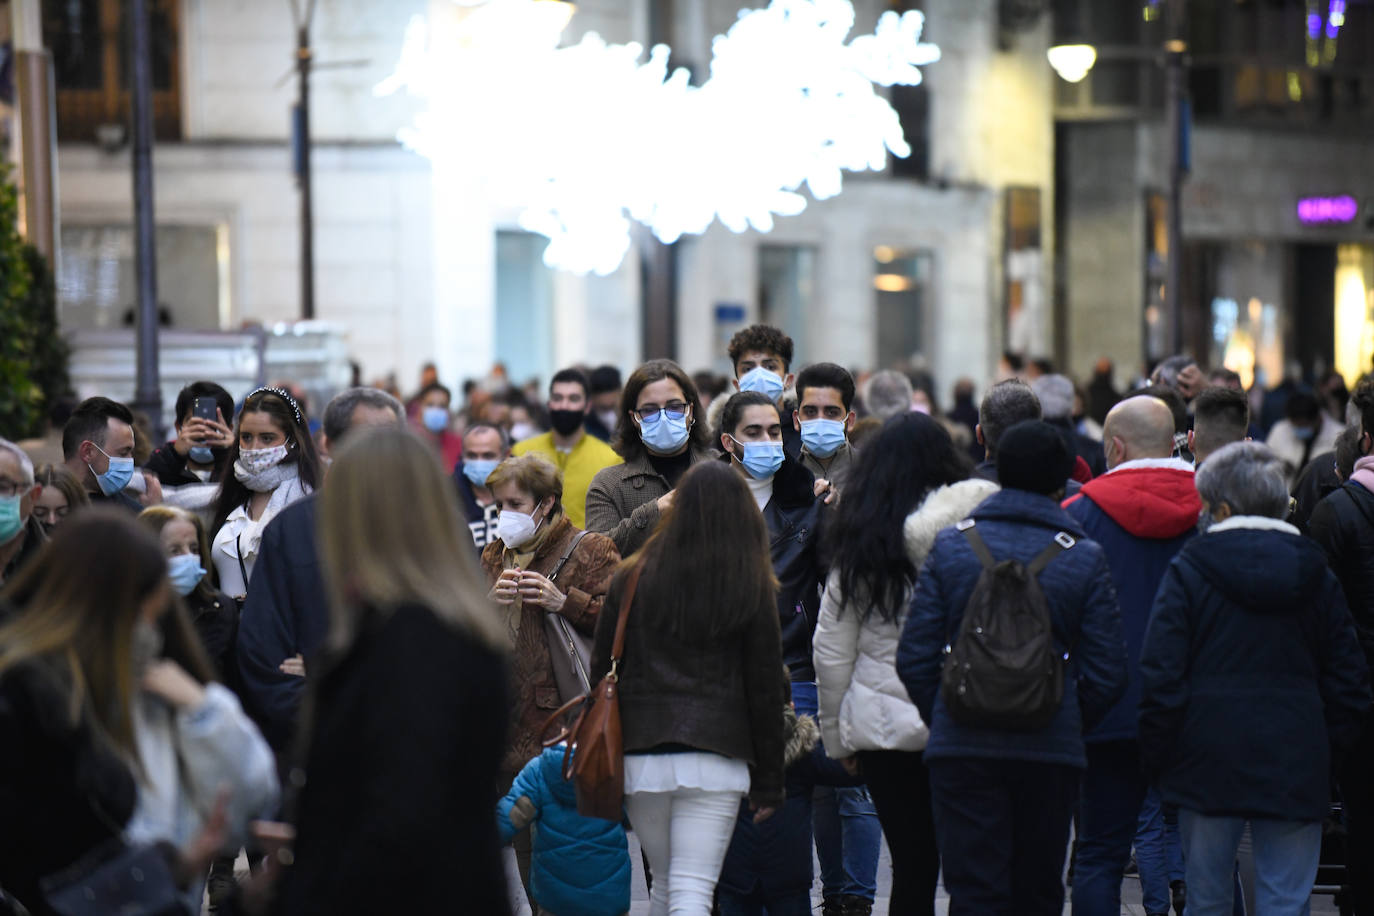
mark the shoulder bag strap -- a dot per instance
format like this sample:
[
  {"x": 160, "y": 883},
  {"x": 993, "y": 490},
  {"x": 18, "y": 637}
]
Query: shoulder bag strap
[
  {"x": 618, "y": 646},
  {"x": 577, "y": 539},
  {"x": 976, "y": 541},
  {"x": 243, "y": 570},
  {"x": 1062, "y": 542}
]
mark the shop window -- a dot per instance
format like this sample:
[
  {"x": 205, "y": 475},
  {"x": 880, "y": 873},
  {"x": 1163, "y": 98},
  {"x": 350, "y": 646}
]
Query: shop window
[
  {"x": 89, "y": 40},
  {"x": 524, "y": 305},
  {"x": 1023, "y": 273},
  {"x": 1354, "y": 311},
  {"x": 903, "y": 283},
  {"x": 97, "y": 283},
  {"x": 787, "y": 293}
]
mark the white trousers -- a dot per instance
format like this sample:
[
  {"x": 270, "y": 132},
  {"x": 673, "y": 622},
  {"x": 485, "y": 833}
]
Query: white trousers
[{"x": 684, "y": 834}]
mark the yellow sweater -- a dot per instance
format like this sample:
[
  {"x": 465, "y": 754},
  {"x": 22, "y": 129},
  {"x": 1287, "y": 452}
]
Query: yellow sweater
[{"x": 579, "y": 466}]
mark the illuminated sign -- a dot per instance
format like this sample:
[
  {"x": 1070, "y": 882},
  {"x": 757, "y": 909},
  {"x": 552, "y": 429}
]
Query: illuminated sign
[
  {"x": 1319, "y": 211},
  {"x": 583, "y": 139}
]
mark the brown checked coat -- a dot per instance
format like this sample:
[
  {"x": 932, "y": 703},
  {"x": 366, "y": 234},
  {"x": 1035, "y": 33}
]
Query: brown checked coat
[{"x": 584, "y": 579}]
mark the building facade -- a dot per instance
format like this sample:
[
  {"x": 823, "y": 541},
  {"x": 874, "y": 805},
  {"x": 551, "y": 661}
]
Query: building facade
[
  {"x": 943, "y": 260},
  {"x": 1278, "y": 199}
]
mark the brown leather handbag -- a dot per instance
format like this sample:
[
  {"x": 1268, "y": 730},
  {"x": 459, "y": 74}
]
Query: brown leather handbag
[{"x": 595, "y": 754}]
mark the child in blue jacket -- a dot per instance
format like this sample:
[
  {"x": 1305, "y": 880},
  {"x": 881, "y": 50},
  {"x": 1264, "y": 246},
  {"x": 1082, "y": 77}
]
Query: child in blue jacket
[{"x": 581, "y": 865}]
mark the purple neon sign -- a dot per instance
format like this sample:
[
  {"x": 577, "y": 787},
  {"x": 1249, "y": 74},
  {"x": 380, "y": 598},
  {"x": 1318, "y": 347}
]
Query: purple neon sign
[{"x": 1321, "y": 210}]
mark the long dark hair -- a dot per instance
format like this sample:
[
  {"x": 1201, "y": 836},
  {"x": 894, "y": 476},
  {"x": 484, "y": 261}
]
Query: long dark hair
[
  {"x": 707, "y": 567},
  {"x": 627, "y": 443},
  {"x": 909, "y": 457},
  {"x": 287, "y": 417},
  {"x": 79, "y": 601}
]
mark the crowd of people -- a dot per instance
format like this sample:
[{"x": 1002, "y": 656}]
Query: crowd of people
[{"x": 1056, "y": 628}]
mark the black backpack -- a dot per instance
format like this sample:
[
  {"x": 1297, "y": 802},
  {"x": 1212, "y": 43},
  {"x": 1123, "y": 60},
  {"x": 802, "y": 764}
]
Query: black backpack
[{"x": 1004, "y": 670}]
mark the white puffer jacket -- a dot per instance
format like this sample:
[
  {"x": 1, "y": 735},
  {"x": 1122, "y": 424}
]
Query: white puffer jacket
[{"x": 863, "y": 705}]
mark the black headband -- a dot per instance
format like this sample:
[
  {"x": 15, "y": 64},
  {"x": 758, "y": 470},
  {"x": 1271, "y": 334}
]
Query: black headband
[{"x": 281, "y": 393}]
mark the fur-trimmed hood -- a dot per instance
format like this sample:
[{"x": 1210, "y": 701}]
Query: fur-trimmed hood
[
  {"x": 863, "y": 705},
  {"x": 942, "y": 508}
]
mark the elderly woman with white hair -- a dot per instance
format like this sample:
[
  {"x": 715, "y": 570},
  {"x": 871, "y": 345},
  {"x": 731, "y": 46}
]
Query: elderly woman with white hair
[{"x": 1251, "y": 677}]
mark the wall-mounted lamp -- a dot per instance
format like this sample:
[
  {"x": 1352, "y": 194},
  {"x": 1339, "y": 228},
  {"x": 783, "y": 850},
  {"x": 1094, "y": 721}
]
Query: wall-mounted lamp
[{"x": 1072, "y": 62}]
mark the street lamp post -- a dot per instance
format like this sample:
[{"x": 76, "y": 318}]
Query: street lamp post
[
  {"x": 1174, "y": 112},
  {"x": 303, "y": 176},
  {"x": 147, "y": 389}
]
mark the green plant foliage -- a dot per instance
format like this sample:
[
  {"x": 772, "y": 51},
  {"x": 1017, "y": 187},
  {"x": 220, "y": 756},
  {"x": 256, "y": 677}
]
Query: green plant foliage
[{"x": 33, "y": 355}]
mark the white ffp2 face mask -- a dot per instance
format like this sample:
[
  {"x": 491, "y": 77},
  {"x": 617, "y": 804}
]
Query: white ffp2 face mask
[{"x": 516, "y": 528}]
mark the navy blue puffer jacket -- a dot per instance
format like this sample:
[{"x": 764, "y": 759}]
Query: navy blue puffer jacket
[
  {"x": 1078, "y": 586},
  {"x": 1251, "y": 671}
]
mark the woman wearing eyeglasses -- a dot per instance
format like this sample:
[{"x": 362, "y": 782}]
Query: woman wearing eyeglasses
[{"x": 666, "y": 435}]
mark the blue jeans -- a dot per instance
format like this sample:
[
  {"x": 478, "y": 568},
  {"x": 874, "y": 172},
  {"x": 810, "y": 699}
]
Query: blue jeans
[
  {"x": 1286, "y": 857},
  {"x": 1157, "y": 853},
  {"x": 848, "y": 837},
  {"x": 1113, "y": 790},
  {"x": 845, "y": 823}
]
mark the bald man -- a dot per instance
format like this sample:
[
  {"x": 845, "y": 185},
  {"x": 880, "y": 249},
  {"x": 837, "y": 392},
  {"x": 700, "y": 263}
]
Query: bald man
[{"x": 1142, "y": 512}]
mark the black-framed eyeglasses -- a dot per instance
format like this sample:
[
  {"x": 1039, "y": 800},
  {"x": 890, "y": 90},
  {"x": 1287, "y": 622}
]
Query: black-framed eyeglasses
[{"x": 673, "y": 410}]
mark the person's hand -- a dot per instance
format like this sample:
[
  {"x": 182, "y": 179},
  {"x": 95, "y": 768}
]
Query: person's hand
[
  {"x": 170, "y": 681},
  {"x": 506, "y": 588},
  {"x": 850, "y": 764},
  {"x": 274, "y": 838},
  {"x": 537, "y": 590},
  {"x": 1191, "y": 381},
  {"x": 665, "y": 502},
  {"x": 295, "y": 665},
  {"x": 205, "y": 845},
  {"x": 762, "y": 814},
  {"x": 258, "y": 893},
  {"x": 199, "y": 431},
  {"x": 152, "y": 493},
  {"x": 822, "y": 488}
]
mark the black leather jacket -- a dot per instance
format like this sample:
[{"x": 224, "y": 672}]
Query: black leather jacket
[{"x": 793, "y": 517}]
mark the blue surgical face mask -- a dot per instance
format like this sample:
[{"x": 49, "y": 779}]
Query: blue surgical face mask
[
  {"x": 1305, "y": 433},
  {"x": 117, "y": 476},
  {"x": 477, "y": 472},
  {"x": 10, "y": 521},
  {"x": 435, "y": 419},
  {"x": 822, "y": 438},
  {"x": 761, "y": 459},
  {"x": 664, "y": 435},
  {"x": 185, "y": 572},
  {"x": 201, "y": 454},
  {"x": 764, "y": 381}
]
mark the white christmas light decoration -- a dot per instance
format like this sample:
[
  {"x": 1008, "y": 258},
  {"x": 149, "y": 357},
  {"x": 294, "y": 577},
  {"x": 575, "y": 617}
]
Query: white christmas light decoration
[{"x": 582, "y": 139}]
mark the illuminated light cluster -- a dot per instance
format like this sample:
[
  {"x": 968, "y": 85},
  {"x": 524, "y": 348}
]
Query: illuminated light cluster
[
  {"x": 584, "y": 139},
  {"x": 1319, "y": 210}
]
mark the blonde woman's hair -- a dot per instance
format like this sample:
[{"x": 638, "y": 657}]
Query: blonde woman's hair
[
  {"x": 534, "y": 474},
  {"x": 155, "y": 518},
  {"x": 390, "y": 535},
  {"x": 58, "y": 477},
  {"x": 81, "y": 598}
]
